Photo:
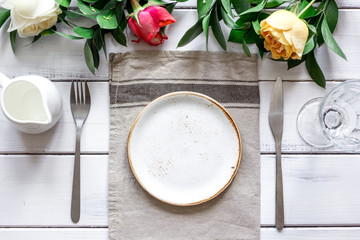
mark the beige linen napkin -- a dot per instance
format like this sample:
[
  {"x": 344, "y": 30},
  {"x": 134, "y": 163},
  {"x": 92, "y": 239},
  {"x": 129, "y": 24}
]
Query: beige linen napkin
[{"x": 141, "y": 76}]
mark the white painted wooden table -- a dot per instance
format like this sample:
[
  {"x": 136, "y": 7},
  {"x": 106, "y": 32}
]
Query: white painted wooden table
[{"x": 321, "y": 186}]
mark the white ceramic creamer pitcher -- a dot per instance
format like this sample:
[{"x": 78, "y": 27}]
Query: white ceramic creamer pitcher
[{"x": 32, "y": 103}]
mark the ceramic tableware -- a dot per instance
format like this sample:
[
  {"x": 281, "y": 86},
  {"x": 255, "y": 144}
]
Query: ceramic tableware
[
  {"x": 31, "y": 103},
  {"x": 184, "y": 148}
]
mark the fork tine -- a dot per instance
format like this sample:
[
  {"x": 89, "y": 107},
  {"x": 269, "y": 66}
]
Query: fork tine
[
  {"x": 77, "y": 92},
  {"x": 72, "y": 93},
  {"x": 87, "y": 93},
  {"x": 82, "y": 93}
]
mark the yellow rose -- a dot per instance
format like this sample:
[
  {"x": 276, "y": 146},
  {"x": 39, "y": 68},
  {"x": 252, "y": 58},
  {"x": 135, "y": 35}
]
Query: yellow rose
[
  {"x": 285, "y": 35},
  {"x": 31, "y": 17}
]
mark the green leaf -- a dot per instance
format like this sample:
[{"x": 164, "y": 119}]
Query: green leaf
[
  {"x": 87, "y": 10},
  {"x": 329, "y": 39},
  {"x": 12, "y": 40},
  {"x": 67, "y": 35},
  {"x": 205, "y": 26},
  {"x": 61, "y": 18},
  {"x": 119, "y": 13},
  {"x": 4, "y": 15},
  {"x": 46, "y": 32},
  {"x": 312, "y": 28},
  {"x": 260, "y": 44},
  {"x": 89, "y": 59},
  {"x": 328, "y": 10},
  {"x": 119, "y": 36},
  {"x": 191, "y": 34},
  {"x": 248, "y": 18},
  {"x": 227, "y": 6},
  {"x": 97, "y": 39},
  {"x": 250, "y": 36},
  {"x": 102, "y": 38},
  {"x": 84, "y": 32},
  {"x": 98, "y": 4},
  {"x": 203, "y": 6},
  {"x": 310, "y": 12},
  {"x": 246, "y": 48},
  {"x": 236, "y": 36},
  {"x": 107, "y": 20},
  {"x": 228, "y": 21},
  {"x": 110, "y": 5},
  {"x": 314, "y": 70},
  {"x": 257, "y": 8},
  {"x": 331, "y": 15},
  {"x": 37, "y": 37},
  {"x": 294, "y": 63},
  {"x": 256, "y": 26},
  {"x": 170, "y": 7},
  {"x": 64, "y": 3},
  {"x": 240, "y": 5},
  {"x": 73, "y": 14},
  {"x": 95, "y": 54},
  {"x": 274, "y": 3},
  {"x": 295, "y": 9},
  {"x": 309, "y": 46},
  {"x": 254, "y": 2},
  {"x": 215, "y": 26},
  {"x": 262, "y": 16}
]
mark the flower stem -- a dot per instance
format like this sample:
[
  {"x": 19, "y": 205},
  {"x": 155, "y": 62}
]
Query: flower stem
[
  {"x": 306, "y": 8},
  {"x": 135, "y": 5}
]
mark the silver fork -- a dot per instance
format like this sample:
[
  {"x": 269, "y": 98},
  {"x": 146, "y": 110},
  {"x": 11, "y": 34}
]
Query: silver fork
[{"x": 80, "y": 106}]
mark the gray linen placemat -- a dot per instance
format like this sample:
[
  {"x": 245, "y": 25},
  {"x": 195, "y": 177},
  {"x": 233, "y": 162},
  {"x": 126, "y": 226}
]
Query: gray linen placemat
[{"x": 141, "y": 76}]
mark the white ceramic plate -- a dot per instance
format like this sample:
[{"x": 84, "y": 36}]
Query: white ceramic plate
[{"x": 184, "y": 148}]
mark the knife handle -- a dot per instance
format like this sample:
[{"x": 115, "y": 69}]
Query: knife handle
[{"x": 279, "y": 221}]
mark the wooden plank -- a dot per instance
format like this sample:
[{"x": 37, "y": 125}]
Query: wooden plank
[
  {"x": 52, "y": 56},
  {"x": 310, "y": 234},
  {"x": 319, "y": 190},
  {"x": 102, "y": 234},
  {"x": 36, "y": 190},
  {"x": 54, "y": 234},
  {"x": 340, "y": 3},
  {"x": 61, "y": 138},
  {"x": 65, "y": 61}
]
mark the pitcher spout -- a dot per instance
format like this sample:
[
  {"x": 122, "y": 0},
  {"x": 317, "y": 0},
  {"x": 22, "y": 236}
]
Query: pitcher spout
[{"x": 4, "y": 80}]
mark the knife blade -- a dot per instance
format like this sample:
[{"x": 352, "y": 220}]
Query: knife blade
[{"x": 276, "y": 120}]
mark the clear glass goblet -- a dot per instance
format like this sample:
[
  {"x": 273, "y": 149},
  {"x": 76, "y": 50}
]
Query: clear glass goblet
[{"x": 334, "y": 119}]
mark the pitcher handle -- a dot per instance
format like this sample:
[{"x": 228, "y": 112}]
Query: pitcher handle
[{"x": 4, "y": 80}]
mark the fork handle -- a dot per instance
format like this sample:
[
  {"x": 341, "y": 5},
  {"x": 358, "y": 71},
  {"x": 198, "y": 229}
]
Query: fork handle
[
  {"x": 279, "y": 189},
  {"x": 75, "y": 200}
]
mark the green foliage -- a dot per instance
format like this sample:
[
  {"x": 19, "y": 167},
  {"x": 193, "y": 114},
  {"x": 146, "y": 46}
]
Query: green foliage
[
  {"x": 245, "y": 26},
  {"x": 64, "y": 3},
  {"x": 109, "y": 18},
  {"x": 314, "y": 69},
  {"x": 192, "y": 33},
  {"x": 12, "y": 40},
  {"x": 4, "y": 15},
  {"x": 242, "y": 17}
]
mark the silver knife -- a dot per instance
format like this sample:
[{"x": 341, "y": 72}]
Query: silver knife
[{"x": 276, "y": 119}]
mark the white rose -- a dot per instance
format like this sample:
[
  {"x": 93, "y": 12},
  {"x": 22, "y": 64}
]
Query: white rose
[{"x": 31, "y": 17}]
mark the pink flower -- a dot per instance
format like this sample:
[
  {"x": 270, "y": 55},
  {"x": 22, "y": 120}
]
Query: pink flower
[{"x": 151, "y": 19}]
